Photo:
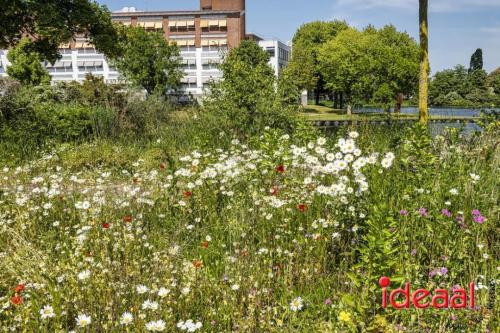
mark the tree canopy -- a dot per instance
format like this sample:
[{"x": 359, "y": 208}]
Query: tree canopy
[
  {"x": 52, "y": 22},
  {"x": 370, "y": 66},
  {"x": 304, "y": 66},
  {"x": 148, "y": 60},
  {"x": 26, "y": 66},
  {"x": 249, "y": 97},
  {"x": 461, "y": 87}
]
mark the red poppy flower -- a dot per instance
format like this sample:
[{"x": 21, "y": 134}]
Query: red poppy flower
[
  {"x": 204, "y": 244},
  {"x": 274, "y": 191},
  {"x": 197, "y": 263},
  {"x": 16, "y": 300},
  {"x": 280, "y": 168},
  {"x": 19, "y": 288},
  {"x": 105, "y": 225},
  {"x": 187, "y": 194},
  {"x": 302, "y": 207},
  {"x": 127, "y": 218},
  {"x": 162, "y": 166}
]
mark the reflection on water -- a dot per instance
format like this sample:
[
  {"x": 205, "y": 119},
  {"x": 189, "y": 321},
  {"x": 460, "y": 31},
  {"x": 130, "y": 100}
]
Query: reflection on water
[
  {"x": 432, "y": 111},
  {"x": 435, "y": 128},
  {"x": 466, "y": 129}
]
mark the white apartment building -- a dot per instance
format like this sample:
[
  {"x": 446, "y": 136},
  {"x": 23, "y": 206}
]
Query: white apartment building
[{"x": 278, "y": 51}]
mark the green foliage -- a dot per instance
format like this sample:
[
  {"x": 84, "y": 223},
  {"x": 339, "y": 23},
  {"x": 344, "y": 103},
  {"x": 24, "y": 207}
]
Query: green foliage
[
  {"x": 248, "y": 98},
  {"x": 304, "y": 67},
  {"x": 41, "y": 116},
  {"x": 463, "y": 88},
  {"x": 54, "y": 22},
  {"x": 371, "y": 66},
  {"x": 26, "y": 66},
  {"x": 476, "y": 60},
  {"x": 148, "y": 60}
]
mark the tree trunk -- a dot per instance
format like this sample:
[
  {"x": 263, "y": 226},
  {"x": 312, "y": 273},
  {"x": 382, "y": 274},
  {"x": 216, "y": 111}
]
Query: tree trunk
[
  {"x": 399, "y": 102},
  {"x": 336, "y": 100},
  {"x": 423, "y": 89},
  {"x": 317, "y": 96},
  {"x": 341, "y": 100},
  {"x": 349, "y": 109}
]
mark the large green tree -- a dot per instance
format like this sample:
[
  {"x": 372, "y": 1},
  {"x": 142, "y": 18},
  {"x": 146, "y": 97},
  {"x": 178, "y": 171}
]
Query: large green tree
[
  {"x": 423, "y": 87},
  {"x": 52, "y": 22},
  {"x": 148, "y": 60},
  {"x": 347, "y": 66},
  {"x": 304, "y": 66},
  {"x": 370, "y": 66},
  {"x": 26, "y": 66},
  {"x": 249, "y": 97}
]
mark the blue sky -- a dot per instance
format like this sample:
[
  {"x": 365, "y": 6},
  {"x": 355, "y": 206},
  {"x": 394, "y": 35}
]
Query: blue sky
[{"x": 457, "y": 27}]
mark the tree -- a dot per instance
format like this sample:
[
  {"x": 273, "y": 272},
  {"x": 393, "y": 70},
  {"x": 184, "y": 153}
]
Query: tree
[
  {"x": 347, "y": 65},
  {"x": 423, "y": 87},
  {"x": 52, "y": 22},
  {"x": 26, "y": 66},
  {"x": 460, "y": 87},
  {"x": 476, "y": 60},
  {"x": 370, "y": 66},
  {"x": 448, "y": 87},
  {"x": 148, "y": 60},
  {"x": 304, "y": 66},
  {"x": 248, "y": 97},
  {"x": 493, "y": 81},
  {"x": 396, "y": 55}
]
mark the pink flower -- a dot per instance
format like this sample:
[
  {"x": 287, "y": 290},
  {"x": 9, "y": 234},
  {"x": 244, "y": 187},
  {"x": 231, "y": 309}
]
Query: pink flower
[
  {"x": 446, "y": 212},
  {"x": 403, "y": 212},
  {"x": 479, "y": 219},
  {"x": 423, "y": 212}
]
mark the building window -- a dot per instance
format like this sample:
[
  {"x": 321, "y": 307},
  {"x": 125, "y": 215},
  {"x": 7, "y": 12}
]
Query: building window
[
  {"x": 60, "y": 67},
  {"x": 213, "y": 25},
  {"x": 189, "y": 64},
  {"x": 151, "y": 26},
  {"x": 188, "y": 48},
  {"x": 90, "y": 66},
  {"x": 86, "y": 50},
  {"x": 188, "y": 83},
  {"x": 214, "y": 45},
  {"x": 181, "y": 26},
  {"x": 271, "y": 51},
  {"x": 210, "y": 64}
]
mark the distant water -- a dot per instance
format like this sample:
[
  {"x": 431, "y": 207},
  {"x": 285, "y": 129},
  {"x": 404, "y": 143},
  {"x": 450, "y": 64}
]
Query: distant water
[
  {"x": 437, "y": 128},
  {"x": 432, "y": 111}
]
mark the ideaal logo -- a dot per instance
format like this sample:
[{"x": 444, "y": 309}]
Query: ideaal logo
[{"x": 422, "y": 298}]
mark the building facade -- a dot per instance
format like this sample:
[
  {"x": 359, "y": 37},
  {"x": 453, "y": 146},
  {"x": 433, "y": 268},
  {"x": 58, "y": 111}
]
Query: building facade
[{"x": 203, "y": 36}]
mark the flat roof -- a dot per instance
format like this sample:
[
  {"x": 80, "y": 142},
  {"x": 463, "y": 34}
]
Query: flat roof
[{"x": 173, "y": 13}]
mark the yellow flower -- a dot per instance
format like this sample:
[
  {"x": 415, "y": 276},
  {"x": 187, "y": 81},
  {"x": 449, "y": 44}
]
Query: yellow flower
[{"x": 344, "y": 316}]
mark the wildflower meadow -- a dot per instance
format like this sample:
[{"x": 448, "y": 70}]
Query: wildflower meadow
[{"x": 280, "y": 233}]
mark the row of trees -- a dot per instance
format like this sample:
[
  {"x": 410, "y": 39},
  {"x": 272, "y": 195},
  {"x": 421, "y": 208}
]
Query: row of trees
[
  {"x": 371, "y": 66},
  {"x": 462, "y": 87}
]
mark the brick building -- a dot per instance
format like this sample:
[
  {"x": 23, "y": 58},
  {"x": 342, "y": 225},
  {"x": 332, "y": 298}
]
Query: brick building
[{"x": 203, "y": 37}]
